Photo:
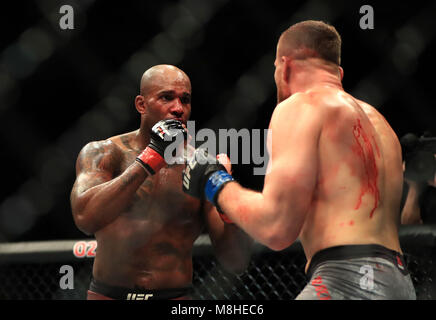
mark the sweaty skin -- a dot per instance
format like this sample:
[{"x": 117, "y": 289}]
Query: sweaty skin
[
  {"x": 357, "y": 194},
  {"x": 151, "y": 242},
  {"x": 145, "y": 226},
  {"x": 335, "y": 175}
]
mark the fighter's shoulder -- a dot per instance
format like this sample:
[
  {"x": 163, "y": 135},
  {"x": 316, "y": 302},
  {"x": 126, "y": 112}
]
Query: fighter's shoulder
[
  {"x": 124, "y": 141},
  {"x": 106, "y": 146},
  {"x": 292, "y": 103},
  {"x": 367, "y": 108},
  {"x": 372, "y": 113},
  {"x": 96, "y": 151},
  {"x": 300, "y": 105}
]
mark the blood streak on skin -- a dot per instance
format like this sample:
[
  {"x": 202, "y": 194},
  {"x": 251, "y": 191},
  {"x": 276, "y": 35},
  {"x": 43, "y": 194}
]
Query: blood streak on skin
[
  {"x": 350, "y": 223},
  {"x": 363, "y": 150}
]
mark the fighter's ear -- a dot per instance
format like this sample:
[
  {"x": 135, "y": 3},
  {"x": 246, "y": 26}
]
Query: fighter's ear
[
  {"x": 140, "y": 104},
  {"x": 286, "y": 69},
  {"x": 341, "y": 71}
]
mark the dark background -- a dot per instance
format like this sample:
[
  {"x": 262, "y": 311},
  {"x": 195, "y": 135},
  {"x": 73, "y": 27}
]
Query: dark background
[{"x": 60, "y": 89}]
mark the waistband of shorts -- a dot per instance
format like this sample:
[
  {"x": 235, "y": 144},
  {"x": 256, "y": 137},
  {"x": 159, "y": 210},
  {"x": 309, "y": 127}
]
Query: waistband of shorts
[
  {"x": 356, "y": 251},
  {"x": 138, "y": 293}
]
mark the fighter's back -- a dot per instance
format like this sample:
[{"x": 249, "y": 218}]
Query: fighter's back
[{"x": 359, "y": 181}]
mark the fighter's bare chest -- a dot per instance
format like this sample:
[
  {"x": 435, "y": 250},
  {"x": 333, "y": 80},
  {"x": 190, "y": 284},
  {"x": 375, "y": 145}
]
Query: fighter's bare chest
[{"x": 162, "y": 190}]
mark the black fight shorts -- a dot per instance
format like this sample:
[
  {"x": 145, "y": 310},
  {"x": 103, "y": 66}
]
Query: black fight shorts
[{"x": 101, "y": 291}]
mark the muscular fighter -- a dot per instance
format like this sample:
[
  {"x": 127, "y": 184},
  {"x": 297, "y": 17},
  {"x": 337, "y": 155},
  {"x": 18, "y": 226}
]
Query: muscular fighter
[
  {"x": 335, "y": 177},
  {"x": 132, "y": 201}
]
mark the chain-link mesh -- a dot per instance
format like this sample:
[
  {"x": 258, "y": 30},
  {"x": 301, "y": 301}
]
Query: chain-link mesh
[
  {"x": 422, "y": 268},
  {"x": 41, "y": 281},
  {"x": 270, "y": 276}
]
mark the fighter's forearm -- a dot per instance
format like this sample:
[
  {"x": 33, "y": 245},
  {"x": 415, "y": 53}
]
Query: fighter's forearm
[
  {"x": 243, "y": 207},
  {"x": 258, "y": 216},
  {"x": 100, "y": 205},
  {"x": 264, "y": 216}
]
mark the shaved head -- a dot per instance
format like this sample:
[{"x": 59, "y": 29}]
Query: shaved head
[
  {"x": 165, "y": 93},
  {"x": 162, "y": 75}
]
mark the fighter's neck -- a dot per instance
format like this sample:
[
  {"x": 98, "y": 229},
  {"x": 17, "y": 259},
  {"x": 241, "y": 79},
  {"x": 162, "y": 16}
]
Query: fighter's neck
[
  {"x": 142, "y": 137},
  {"x": 308, "y": 78}
]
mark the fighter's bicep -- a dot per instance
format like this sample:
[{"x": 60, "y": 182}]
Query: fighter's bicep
[
  {"x": 295, "y": 131},
  {"x": 295, "y": 128},
  {"x": 96, "y": 164},
  {"x": 87, "y": 180},
  {"x": 100, "y": 155},
  {"x": 290, "y": 185}
]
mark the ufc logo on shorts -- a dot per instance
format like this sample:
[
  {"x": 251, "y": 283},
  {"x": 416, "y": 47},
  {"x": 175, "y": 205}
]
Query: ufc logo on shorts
[
  {"x": 367, "y": 281},
  {"x": 139, "y": 296}
]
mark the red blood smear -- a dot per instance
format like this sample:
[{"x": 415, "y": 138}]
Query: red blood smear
[
  {"x": 363, "y": 149},
  {"x": 350, "y": 223}
]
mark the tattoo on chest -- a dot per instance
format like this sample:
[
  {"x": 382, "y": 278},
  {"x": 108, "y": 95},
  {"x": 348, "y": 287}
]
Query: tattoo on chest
[
  {"x": 126, "y": 142},
  {"x": 130, "y": 148}
]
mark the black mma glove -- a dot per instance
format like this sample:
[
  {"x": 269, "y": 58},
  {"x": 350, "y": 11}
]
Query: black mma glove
[
  {"x": 205, "y": 176},
  {"x": 162, "y": 135}
]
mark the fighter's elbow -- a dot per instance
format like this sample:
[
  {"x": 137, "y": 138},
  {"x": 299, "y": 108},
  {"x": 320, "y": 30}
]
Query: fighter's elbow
[
  {"x": 84, "y": 223},
  {"x": 83, "y": 215},
  {"x": 278, "y": 238},
  {"x": 276, "y": 244},
  {"x": 282, "y": 226}
]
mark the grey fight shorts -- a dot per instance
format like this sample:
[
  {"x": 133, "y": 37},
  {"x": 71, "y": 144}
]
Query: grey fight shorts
[{"x": 358, "y": 272}]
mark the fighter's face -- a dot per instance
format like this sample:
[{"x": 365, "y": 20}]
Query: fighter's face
[
  {"x": 169, "y": 103},
  {"x": 169, "y": 100}
]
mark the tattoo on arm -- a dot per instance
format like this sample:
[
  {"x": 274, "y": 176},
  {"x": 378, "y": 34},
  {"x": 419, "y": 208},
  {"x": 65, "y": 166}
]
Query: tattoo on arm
[
  {"x": 97, "y": 163},
  {"x": 128, "y": 179},
  {"x": 90, "y": 157}
]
